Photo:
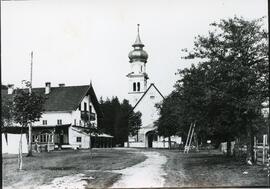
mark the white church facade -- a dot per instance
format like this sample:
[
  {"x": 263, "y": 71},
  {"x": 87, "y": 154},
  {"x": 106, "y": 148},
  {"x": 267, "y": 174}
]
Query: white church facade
[{"x": 143, "y": 98}]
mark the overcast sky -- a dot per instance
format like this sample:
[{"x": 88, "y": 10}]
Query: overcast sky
[{"x": 78, "y": 41}]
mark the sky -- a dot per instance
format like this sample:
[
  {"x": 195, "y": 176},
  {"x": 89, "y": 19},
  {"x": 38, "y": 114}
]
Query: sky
[{"x": 75, "y": 42}]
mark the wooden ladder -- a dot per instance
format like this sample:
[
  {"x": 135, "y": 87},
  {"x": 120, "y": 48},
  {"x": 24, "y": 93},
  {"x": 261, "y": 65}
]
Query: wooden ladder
[{"x": 189, "y": 137}]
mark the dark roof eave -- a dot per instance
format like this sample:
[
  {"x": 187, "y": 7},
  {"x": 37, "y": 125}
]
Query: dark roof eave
[{"x": 152, "y": 84}]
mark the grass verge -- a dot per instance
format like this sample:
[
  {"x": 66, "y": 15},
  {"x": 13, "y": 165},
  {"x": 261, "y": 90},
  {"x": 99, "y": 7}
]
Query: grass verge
[{"x": 42, "y": 168}]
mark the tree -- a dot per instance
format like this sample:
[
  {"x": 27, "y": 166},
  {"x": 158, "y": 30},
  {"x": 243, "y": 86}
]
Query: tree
[
  {"x": 109, "y": 109},
  {"x": 28, "y": 108},
  {"x": 119, "y": 119},
  {"x": 134, "y": 123},
  {"x": 6, "y": 112},
  {"x": 91, "y": 129},
  {"x": 224, "y": 92},
  {"x": 234, "y": 62},
  {"x": 130, "y": 121},
  {"x": 170, "y": 117}
]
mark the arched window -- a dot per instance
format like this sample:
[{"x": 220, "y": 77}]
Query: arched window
[
  {"x": 134, "y": 86},
  {"x": 138, "y": 86}
]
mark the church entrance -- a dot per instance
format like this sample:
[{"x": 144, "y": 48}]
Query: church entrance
[{"x": 151, "y": 136}]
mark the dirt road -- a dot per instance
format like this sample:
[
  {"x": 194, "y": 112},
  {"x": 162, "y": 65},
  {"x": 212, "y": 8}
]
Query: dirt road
[
  {"x": 146, "y": 174},
  {"x": 122, "y": 168}
]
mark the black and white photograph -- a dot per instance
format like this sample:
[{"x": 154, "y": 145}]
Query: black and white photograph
[{"x": 134, "y": 94}]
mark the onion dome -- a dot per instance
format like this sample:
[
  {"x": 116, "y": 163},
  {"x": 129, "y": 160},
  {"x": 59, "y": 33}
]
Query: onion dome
[{"x": 138, "y": 54}]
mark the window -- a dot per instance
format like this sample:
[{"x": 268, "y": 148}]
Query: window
[
  {"x": 35, "y": 138},
  {"x": 79, "y": 107},
  {"x": 152, "y": 96},
  {"x": 75, "y": 122},
  {"x": 80, "y": 122},
  {"x": 138, "y": 86},
  {"x": 85, "y": 106},
  {"x": 134, "y": 86},
  {"x": 90, "y": 108},
  {"x": 59, "y": 122},
  {"x": 79, "y": 139},
  {"x": 44, "y": 122},
  {"x": 141, "y": 68}
]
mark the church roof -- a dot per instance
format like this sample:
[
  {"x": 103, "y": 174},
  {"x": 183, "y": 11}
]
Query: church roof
[
  {"x": 151, "y": 85},
  {"x": 65, "y": 98}
]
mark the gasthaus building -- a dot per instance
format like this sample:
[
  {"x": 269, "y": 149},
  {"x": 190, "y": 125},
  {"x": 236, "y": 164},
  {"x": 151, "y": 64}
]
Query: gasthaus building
[{"x": 63, "y": 123}]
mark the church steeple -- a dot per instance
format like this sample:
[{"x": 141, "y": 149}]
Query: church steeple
[
  {"x": 138, "y": 76},
  {"x": 138, "y": 54}
]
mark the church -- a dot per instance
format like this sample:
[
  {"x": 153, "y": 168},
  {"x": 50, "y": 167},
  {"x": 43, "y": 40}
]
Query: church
[{"x": 143, "y": 97}]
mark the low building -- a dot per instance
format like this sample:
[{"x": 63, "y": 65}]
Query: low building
[{"x": 67, "y": 110}]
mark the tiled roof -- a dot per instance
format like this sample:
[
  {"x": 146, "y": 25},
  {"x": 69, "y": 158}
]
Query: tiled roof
[{"x": 64, "y": 98}]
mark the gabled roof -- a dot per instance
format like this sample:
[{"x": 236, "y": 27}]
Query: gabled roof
[
  {"x": 151, "y": 85},
  {"x": 65, "y": 98}
]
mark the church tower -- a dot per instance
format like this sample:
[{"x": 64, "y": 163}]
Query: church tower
[{"x": 137, "y": 78}]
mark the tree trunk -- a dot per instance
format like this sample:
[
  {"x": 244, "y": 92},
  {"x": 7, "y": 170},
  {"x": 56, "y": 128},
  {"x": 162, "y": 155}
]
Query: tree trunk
[
  {"x": 90, "y": 146},
  {"x": 170, "y": 144},
  {"x": 196, "y": 142},
  {"x": 30, "y": 140},
  {"x": 20, "y": 154},
  {"x": 250, "y": 143},
  {"x": 229, "y": 148},
  {"x": 128, "y": 142}
]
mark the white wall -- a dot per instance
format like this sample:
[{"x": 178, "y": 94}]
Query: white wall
[
  {"x": 143, "y": 87},
  {"x": 176, "y": 139},
  {"x": 159, "y": 144},
  {"x": 136, "y": 67},
  {"x": 52, "y": 118},
  {"x": 135, "y": 144},
  {"x": 12, "y": 146},
  {"x": 87, "y": 100},
  {"x": 147, "y": 107},
  {"x": 73, "y": 134}
]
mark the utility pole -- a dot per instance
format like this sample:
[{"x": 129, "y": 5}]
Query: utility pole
[
  {"x": 30, "y": 124},
  {"x": 31, "y": 73}
]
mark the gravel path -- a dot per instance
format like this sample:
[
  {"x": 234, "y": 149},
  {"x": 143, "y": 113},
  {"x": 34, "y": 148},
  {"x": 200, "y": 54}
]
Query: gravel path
[
  {"x": 68, "y": 182},
  {"x": 149, "y": 173}
]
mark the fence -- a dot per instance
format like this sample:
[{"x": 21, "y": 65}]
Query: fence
[
  {"x": 43, "y": 147},
  {"x": 261, "y": 151},
  {"x": 239, "y": 150}
]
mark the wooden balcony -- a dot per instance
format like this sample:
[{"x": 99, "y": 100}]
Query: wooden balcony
[
  {"x": 86, "y": 116},
  {"x": 92, "y": 116}
]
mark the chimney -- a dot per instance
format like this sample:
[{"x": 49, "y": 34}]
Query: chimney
[
  {"x": 10, "y": 88},
  {"x": 47, "y": 87},
  {"x": 61, "y": 84}
]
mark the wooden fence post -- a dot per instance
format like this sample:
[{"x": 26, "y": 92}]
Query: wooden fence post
[
  {"x": 255, "y": 149},
  {"x": 264, "y": 144}
]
